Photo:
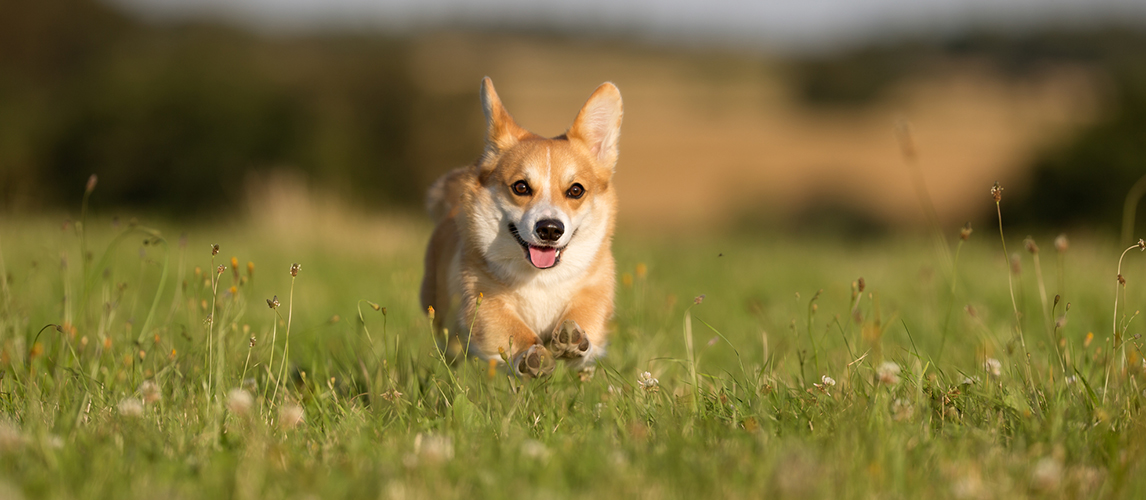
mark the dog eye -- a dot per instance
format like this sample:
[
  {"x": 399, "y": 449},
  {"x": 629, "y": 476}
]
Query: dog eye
[
  {"x": 575, "y": 191},
  {"x": 521, "y": 188}
]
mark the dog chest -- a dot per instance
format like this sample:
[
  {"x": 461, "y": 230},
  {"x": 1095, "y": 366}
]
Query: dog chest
[{"x": 541, "y": 307}]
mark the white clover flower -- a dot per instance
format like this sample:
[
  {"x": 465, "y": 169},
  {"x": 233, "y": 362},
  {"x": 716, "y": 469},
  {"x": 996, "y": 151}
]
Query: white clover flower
[
  {"x": 534, "y": 450},
  {"x": 649, "y": 383},
  {"x": 993, "y": 367},
  {"x": 433, "y": 449},
  {"x": 828, "y": 381},
  {"x": 1047, "y": 474},
  {"x": 902, "y": 409},
  {"x": 290, "y": 415},
  {"x": 888, "y": 373},
  {"x": 11, "y": 438},
  {"x": 150, "y": 392},
  {"x": 130, "y": 407},
  {"x": 239, "y": 401}
]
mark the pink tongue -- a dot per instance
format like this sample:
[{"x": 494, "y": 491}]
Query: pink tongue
[{"x": 543, "y": 257}]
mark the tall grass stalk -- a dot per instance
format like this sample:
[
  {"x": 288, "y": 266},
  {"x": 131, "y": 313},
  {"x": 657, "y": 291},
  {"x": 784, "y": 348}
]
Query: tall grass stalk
[
  {"x": 1119, "y": 285},
  {"x": 963, "y": 235},
  {"x": 690, "y": 353},
  {"x": 82, "y": 226},
  {"x": 812, "y": 307},
  {"x": 1034, "y": 250},
  {"x": 215, "y": 277},
  {"x": 274, "y": 305},
  {"x": 911, "y": 158},
  {"x": 294, "y": 268},
  {"x": 159, "y": 289},
  {"x": 997, "y": 192}
]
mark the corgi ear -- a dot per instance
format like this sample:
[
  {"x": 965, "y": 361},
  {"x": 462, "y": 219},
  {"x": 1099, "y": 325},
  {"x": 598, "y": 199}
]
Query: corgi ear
[
  {"x": 501, "y": 131},
  {"x": 598, "y": 125}
]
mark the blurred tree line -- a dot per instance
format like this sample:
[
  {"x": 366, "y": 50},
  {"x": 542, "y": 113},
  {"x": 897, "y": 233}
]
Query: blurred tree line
[
  {"x": 176, "y": 116},
  {"x": 1080, "y": 182}
]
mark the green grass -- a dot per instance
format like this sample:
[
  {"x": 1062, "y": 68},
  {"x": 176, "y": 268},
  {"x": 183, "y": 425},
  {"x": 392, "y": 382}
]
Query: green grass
[{"x": 755, "y": 425}]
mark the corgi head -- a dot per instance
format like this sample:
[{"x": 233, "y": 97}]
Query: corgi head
[{"x": 546, "y": 203}]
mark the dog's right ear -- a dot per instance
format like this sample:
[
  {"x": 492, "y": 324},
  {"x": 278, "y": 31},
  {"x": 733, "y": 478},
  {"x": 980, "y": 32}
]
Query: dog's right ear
[{"x": 501, "y": 131}]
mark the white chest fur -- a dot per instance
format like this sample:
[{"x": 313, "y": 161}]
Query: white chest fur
[{"x": 542, "y": 304}]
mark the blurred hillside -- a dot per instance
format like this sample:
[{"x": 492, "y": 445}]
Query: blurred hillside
[{"x": 189, "y": 118}]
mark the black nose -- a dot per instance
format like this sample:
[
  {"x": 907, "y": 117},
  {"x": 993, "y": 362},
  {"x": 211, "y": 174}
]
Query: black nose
[{"x": 549, "y": 229}]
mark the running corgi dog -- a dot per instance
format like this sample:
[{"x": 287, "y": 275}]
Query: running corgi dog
[{"x": 520, "y": 264}]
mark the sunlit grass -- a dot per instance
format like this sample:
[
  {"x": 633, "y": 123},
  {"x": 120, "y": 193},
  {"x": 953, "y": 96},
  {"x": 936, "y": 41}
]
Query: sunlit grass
[{"x": 790, "y": 378}]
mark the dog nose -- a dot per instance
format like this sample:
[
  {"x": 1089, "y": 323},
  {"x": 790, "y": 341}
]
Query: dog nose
[{"x": 549, "y": 230}]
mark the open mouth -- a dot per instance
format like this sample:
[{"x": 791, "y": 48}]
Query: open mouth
[{"x": 542, "y": 257}]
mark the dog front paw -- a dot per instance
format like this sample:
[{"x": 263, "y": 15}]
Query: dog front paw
[
  {"x": 569, "y": 341},
  {"x": 534, "y": 361}
]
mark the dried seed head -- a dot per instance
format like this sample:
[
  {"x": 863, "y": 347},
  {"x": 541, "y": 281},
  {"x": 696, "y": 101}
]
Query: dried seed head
[
  {"x": 220, "y": 269},
  {"x": 273, "y": 303},
  {"x": 965, "y": 233},
  {"x": 252, "y": 344},
  {"x": 698, "y": 299},
  {"x": 1031, "y": 246},
  {"x": 860, "y": 284},
  {"x": 1142, "y": 244},
  {"x": 997, "y": 192},
  {"x": 1061, "y": 243},
  {"x": 91, "y": 184},
  {"x": 214, "y": 249},
  {"x": 1056, "y": 299},
  {"x": 374, "y": 306},
  {"x": 1121, "y": 280},
  {"x": 294, "y": 269}
]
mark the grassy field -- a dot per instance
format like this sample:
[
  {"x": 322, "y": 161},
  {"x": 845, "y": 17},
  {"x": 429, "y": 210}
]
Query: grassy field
[{"x": 146, "y": 370}]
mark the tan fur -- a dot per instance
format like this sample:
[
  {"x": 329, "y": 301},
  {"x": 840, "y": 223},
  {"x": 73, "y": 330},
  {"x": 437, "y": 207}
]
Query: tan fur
[{"x": 471, "y": 253}]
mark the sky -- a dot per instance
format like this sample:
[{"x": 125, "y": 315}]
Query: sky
[{"x": 781, "y": 25}]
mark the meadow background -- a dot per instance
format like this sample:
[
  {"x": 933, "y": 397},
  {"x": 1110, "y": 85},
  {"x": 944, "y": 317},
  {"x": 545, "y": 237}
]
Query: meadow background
[{"x": 801, "y": 312}]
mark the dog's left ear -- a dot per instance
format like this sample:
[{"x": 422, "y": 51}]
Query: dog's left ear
[{"x": 598, "y": 125}]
